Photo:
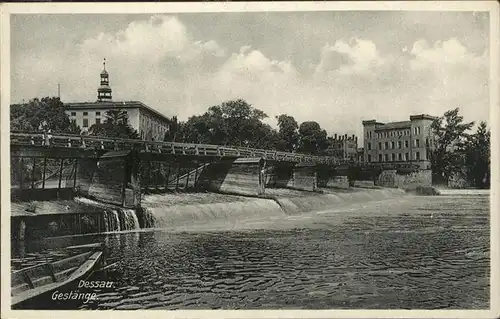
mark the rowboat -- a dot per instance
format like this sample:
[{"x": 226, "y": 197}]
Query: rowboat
[{"x": 33, "y": 286}]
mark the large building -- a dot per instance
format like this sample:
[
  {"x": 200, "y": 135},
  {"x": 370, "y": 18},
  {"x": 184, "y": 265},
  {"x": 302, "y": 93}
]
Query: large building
[
  {"x": 149, "y": 123},
  {"x": 400, "y": 142},
  {"x": 343, "y": 147}
]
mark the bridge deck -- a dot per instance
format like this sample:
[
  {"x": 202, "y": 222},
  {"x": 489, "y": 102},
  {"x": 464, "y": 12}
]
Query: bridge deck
[
  {"x": 38, "y": 144},
  {"x": 173, "y": 148}
]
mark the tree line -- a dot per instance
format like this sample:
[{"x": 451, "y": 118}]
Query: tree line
[
  {"x": 455, "y": 151},
  {"x": 234, "y": 123},
  {"x": 459, "y": 152}
]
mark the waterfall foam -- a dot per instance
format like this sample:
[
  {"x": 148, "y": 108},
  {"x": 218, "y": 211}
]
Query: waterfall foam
[
  {"x": 116, "y": 219},
  {"x": 231, "y": 213},
  {"x": 168, "y": 215},
  {"x": 131, "y": 220}
]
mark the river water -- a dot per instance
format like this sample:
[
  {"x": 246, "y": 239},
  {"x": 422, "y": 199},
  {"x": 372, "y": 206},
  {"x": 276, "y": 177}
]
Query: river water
[{"x": 402, "y": 253}]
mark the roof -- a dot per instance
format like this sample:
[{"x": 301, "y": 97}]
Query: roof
[
  {"x": 114, "y": 104},
  {"x": 398, "y": 125},
  {"x": 422, "y": 117},
  {"x": 393, "y": 125}
]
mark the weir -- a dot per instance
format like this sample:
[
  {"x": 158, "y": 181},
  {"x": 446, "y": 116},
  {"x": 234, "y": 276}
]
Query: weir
[
  {"x": 70, "y": 217},
  {"x": 114, "y": 191}
]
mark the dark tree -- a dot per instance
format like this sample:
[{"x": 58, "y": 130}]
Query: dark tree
[
  {"x": 115, "y": 125},
  {"x": 448, "y": 149},
  {"x": 173, "y": 130},
  {"x": 477, "y": 157},
  {"x": 312, "y": 138},
  {"x": 288, "y": 133},
  {"x": 234, "y": 123},
  {"x": 41, "y": 115}
]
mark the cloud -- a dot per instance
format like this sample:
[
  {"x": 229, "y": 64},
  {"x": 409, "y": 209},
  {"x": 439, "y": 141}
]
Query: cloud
[
  {"x": 444, "y": 54},
  {"x": 356, "y": 57}
]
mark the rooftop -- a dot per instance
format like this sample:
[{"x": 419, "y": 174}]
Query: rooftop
[
  {"x": 399, "y": 124},
  {"x": 113, "y": 104},
  {"x": 393, "y": 125}
]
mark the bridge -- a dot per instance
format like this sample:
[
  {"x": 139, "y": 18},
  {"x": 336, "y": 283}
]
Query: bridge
[{"x": 118, "y": 171}]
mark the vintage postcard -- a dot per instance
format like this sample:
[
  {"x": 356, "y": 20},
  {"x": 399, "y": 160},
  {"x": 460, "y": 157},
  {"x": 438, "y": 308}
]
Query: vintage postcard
[{"x": 250, "y": 160}]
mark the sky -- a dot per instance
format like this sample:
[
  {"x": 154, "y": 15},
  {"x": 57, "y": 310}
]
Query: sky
[{"x": 333, "y": 67}]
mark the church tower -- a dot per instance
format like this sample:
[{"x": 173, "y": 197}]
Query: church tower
[{"x": 104, "y": 90}]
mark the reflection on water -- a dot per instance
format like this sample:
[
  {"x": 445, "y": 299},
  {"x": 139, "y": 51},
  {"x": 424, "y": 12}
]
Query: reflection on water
[{"x": 424, "y": 253}]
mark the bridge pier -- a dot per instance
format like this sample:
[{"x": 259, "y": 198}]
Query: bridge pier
[
  {"x": 336, "y": 177},
  {"x": 295, "y": 176},
  {"x": 244, "y": 176},
  {"x": 115, "y": 179}
]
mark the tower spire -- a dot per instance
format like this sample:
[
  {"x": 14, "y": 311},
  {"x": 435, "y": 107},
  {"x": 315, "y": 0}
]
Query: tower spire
[{"x": 104, "y": 90}]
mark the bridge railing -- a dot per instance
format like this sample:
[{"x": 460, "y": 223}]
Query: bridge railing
[{"x": 174, "y": 148}]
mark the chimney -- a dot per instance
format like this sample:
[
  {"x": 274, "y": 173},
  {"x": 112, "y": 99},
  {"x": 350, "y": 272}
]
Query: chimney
[
  {"x": 353, "y": 136},
  {"x": 335, "y": 136}
]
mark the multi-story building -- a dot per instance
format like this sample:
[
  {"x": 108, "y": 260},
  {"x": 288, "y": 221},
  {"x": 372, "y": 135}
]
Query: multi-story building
[
  {"x": 343, "y": 147},
  {"x": 149, "y": 123},
  {"x": 399, "y": 142}
]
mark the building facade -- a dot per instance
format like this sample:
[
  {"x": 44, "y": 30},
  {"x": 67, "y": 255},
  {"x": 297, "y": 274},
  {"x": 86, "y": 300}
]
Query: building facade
[
  {"x": 343, "y": 147},
  {"x": 149, "y": 123},
  {"x": 399, "y": 142}
]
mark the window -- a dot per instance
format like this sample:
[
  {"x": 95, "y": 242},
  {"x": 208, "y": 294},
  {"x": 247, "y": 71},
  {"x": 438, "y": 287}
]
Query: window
[
  {"x": 386, "y": 144},
  {"x": 400, "y": 157},
  {"x": 399, "y": 144},
  {"x": 369, "y": 146},
  {"x": 393, "y": 157},
  {"x": 407, "y": 157},
  {"x": 97, "y": 113},
  {"x": 379, "y": 145},
  {"x": 406, "y": 143},
  {"x": 380, "y": 157},
  {"x": 417, "y": 143},
  {"x": 85, "y": 122},
  {"x": 386, "y": 157},
  {"x": 73, "y": 121},
  {"x": 392, "y": 145},
  {"x": 73, "y": 113},
  {"x": 97, "y": 121},
  {"x": 369, "y": 158},
  {"x": 85, "y": 113},
  {"x": 417, "y": 155}
]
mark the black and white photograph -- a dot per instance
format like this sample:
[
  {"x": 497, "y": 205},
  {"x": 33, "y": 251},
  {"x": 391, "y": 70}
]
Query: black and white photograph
[{"x": 250, "y": 157}]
